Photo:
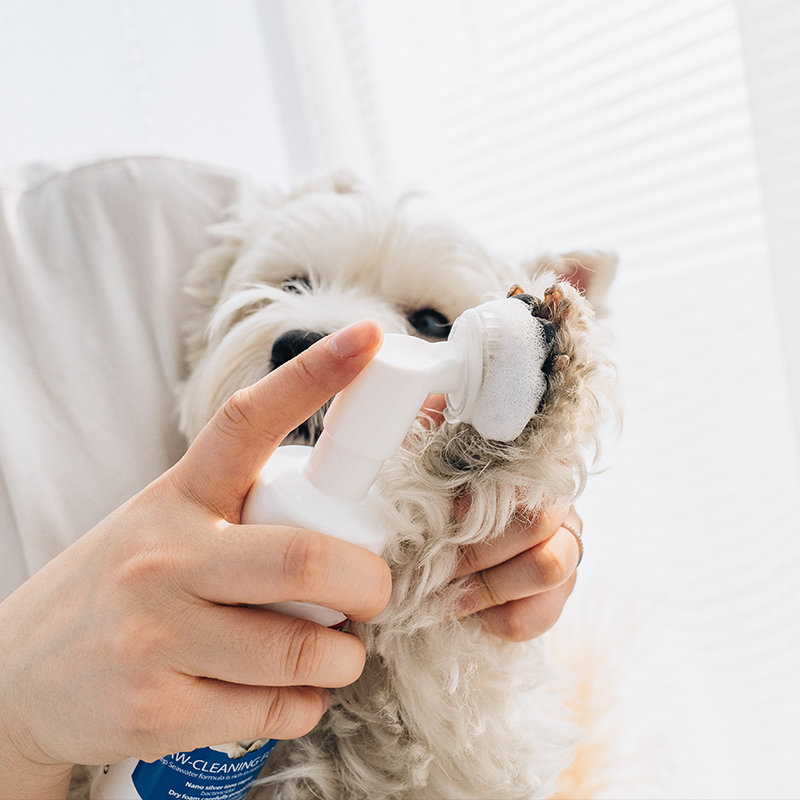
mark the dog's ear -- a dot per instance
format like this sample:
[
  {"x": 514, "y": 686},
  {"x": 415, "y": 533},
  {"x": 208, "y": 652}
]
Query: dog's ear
[{"x": 590, "y": 271}]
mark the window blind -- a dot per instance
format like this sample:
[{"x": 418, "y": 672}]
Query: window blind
[{"x": 653, "y": 129}]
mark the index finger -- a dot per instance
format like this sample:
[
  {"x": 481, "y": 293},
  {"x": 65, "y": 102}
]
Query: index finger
[
  {"x": 220, "y": 466},
  {"x": 521, "y": 535}
]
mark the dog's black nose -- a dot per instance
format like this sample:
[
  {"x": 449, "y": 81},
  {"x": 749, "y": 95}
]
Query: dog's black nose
[{"x": 292, "y": 343}]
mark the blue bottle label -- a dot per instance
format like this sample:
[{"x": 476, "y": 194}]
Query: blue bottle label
[{"x": 202, "y": 774}]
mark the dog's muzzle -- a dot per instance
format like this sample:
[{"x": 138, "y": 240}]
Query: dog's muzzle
[{"x": 291, "y": 344}]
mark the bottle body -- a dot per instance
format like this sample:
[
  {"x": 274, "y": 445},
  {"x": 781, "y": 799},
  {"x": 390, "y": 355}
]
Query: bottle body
[
  {"x": 203, "y": 774},
  {"x": 280, "y": 496},
  {"x": 284, "y": 496}
]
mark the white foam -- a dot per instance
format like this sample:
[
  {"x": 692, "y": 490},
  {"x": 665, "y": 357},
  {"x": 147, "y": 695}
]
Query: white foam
[{"x": 513, "y": 382}]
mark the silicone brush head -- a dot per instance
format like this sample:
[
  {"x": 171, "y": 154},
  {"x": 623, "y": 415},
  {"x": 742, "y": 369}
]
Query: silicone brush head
[{"x": 501, "y": 397}]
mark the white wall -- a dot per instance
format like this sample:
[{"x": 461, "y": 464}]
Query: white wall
[{"x": 182, "y": 77}]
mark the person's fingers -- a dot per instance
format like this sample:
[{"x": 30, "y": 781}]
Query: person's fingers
[
  {"x": 521, "y": 535},
  {"x": 215, "y": 711},
  {"x": 222, "y": 463},
  {"x": 264, "y": 648},
  {"x": 538, "y": 569},
  {"x": 525, "y": 619},
  {"x": 257, "y": 564},
  {"x": 432, "y": 412},
  {"x": 253, "y": 712}
]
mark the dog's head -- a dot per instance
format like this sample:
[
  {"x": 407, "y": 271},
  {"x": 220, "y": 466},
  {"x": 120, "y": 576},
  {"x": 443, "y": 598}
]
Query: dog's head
[{"x": 299, "y": 265}]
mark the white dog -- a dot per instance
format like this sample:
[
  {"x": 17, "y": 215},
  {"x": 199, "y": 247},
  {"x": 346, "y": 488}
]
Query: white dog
[{"x": 443, "y": 708}]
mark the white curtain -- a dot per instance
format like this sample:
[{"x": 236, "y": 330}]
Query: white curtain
[{"x": 668, "y": 131}]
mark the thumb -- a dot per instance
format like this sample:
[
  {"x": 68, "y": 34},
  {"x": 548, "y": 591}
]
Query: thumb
[{"x": 220, "y": 466}]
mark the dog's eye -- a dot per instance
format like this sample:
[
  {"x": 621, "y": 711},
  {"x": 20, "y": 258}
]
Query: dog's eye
[
  {"x": 296, "y": 284},
  {"x": 429, "y": 323}
]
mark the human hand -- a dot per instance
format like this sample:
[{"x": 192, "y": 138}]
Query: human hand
[
  {"x": 520, "y": 582},
  {"x": 133, "y": 641}
]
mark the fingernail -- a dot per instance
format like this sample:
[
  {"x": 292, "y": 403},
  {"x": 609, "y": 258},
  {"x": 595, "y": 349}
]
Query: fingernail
[
  {"x": 326, "y": 699},
  {"x": 468, "y": 604},
  {"x": 354, "y": 339}
]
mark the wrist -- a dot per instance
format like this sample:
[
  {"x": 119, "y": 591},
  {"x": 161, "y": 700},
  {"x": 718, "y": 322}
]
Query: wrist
[{"x": 23, "y": 778}]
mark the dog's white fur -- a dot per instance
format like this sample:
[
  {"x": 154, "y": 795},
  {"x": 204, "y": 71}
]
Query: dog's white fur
[{"x": 443, "y": 709}]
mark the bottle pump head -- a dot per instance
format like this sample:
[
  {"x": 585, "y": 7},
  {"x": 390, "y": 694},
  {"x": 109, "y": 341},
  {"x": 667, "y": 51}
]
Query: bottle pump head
[{"x": 490, "y": 369}]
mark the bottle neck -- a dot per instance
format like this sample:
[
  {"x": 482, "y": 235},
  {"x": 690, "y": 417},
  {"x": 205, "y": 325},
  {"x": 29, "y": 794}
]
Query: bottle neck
[
  {"x": 339, "y": 472},
  {"x": 369, "y": 419}
]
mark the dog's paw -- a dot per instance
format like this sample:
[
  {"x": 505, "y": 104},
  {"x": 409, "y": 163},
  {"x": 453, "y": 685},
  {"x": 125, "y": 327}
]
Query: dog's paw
[{"x": 553, "y": 309}]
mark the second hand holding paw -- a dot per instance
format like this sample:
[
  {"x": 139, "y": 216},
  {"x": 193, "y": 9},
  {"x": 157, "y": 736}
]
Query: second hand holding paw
[{"x": 521, "y": 580}]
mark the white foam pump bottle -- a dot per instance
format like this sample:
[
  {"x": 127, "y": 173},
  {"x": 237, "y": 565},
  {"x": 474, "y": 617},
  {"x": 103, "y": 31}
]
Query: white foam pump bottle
[{"x": 490, "y": 369}]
